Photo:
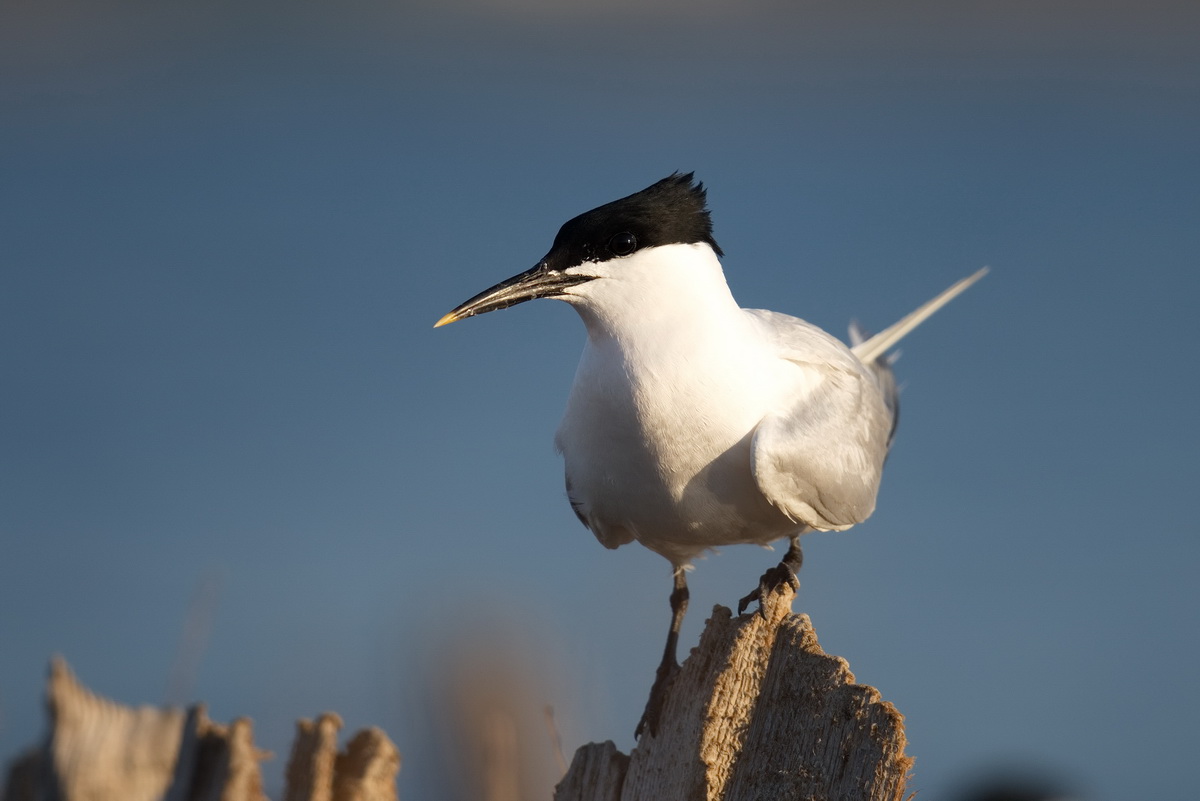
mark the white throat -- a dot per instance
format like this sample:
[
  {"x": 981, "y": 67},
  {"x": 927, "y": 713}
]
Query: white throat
[{"x": 671, "y": 292}]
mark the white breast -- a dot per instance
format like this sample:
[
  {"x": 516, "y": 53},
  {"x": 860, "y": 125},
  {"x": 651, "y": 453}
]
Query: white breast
[{"x": 672, "y": 382}]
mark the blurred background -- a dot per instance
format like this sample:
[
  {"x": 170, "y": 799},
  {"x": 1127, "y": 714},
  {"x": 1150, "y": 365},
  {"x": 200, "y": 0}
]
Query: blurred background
[{"x": 238, "y": 465}]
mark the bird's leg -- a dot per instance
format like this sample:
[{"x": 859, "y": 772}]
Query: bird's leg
[
  {"x": 669, "y": 666},
  {"x": 783, "y": 573}
]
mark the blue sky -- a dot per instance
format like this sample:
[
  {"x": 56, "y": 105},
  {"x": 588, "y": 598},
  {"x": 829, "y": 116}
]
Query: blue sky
[{"x": 225, "y": 236}]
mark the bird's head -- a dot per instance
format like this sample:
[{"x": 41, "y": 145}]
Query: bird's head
[{"x": 596, "y": 243}]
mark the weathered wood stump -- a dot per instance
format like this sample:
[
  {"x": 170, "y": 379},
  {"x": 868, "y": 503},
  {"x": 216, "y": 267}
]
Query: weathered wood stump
[
  {"x": 757, "y": 711},
  {"x": 99, "y": 750}
]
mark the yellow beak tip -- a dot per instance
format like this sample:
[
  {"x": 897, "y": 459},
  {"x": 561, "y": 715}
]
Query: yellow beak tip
[{"x": 446, "y": 320}]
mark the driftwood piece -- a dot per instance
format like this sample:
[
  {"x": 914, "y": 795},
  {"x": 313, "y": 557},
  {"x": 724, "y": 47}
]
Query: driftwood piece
[
  {"x": 757, "y": 711},
  {"x": 365, "y": 771},
  {"x": 596, "y": 774},
  {"x": 217, "y": 763},
  {"x": 310, "y": 767},
  {"x": 99, "y": 750}
]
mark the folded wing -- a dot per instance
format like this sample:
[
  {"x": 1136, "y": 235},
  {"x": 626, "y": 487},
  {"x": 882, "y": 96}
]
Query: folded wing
[{"x": 819, "y": 457}]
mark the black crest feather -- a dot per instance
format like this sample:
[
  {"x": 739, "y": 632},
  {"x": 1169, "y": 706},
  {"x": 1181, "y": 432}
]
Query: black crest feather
[{"x": 670, "y": 211}]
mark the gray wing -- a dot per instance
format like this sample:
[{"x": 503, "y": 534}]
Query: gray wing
[
  {"x": 881, "y": 370},
  {"x": 819, "y": 458}
]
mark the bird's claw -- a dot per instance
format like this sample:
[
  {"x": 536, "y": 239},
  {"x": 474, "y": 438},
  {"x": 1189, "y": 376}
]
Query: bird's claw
[{"x": 772, "y": 580}]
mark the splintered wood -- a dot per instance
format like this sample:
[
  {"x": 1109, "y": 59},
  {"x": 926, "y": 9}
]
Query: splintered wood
[
  {"x": 99, "y": 750},
  {"x": 365, "y": 771},
  {"x": 758, "y": 711}
]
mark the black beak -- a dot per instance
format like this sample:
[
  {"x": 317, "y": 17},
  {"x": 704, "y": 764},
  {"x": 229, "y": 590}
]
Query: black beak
[{"x": 541, "y": 281}]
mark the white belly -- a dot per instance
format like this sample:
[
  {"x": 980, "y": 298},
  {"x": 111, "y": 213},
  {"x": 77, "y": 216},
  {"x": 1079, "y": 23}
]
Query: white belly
[{"x": 661, "y": 453}]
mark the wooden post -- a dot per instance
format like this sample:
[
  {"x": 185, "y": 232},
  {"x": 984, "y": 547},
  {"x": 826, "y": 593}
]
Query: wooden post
[
  {"x": 365, "y": 771},
  {"x": 216, "y": 762},
  {"x": 99, "y": 750},
  {"x": 757, "y": 711}
]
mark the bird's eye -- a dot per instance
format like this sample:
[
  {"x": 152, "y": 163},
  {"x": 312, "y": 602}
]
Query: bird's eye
[{"x": 622, "y": 244}]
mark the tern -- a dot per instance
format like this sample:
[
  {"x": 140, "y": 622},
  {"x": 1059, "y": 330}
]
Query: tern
[{"x": 693, "y": 423}]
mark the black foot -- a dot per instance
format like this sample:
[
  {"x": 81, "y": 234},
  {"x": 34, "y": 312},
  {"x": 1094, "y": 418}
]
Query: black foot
[
  {"x": 658, "y": 699},
  {"x": 776, "y": 577},
  {"x": 772, "y": 580}
]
